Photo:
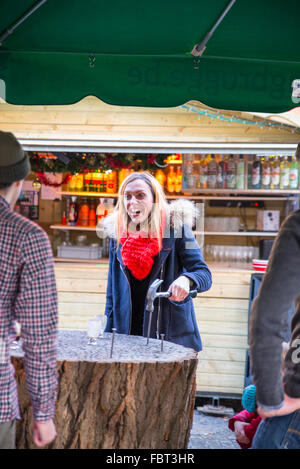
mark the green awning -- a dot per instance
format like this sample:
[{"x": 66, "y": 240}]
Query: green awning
[{"x": 137, "y": 53}]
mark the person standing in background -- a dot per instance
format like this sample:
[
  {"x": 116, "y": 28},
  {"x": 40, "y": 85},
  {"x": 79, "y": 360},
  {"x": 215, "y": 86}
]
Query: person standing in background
[
  {"x": 278, "y": 399},
  {"x": 28, "y": 295}
]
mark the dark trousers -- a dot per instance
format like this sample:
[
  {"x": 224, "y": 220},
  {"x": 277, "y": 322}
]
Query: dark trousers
[{"x": 8, "y": 435}]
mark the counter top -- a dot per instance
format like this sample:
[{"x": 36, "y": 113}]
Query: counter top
[{"x": 103, "y": 263}]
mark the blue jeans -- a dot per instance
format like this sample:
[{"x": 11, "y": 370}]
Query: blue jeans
[{"x": 278, "y": 433}]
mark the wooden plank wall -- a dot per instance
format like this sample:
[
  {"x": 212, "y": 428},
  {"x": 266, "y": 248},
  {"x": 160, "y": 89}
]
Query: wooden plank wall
[
  {"x": 93, "y": 119},
  {"x": 222, "y": 315}
]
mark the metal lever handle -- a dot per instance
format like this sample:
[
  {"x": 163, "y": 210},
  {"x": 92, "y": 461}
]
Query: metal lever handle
[
  {"x": 193, "y": 293},
  {"x": 167, "y": 294}
]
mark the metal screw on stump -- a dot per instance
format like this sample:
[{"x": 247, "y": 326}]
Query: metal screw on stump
[
  {"x": 112, "y": 341},
  {"x": 162, "y": 336}
]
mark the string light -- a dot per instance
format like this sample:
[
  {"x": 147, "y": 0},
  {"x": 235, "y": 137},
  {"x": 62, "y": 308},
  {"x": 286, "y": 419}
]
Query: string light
[{"x": 237, "y": 120}]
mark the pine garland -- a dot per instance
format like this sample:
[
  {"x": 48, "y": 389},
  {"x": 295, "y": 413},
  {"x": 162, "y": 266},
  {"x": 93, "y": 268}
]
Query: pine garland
[{"x": 85, "y": 162}]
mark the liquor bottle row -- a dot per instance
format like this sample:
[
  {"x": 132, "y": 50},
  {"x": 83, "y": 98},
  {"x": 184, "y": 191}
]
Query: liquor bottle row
[
  {"x": 96, "y": 181},
  {"x": 87, "y": 213},
  {"x": 230, "y": 172},
  {"x": 28, "y": 205},
  {"x": 171, "y": 179},
  {"x": 109, "y": 181}
]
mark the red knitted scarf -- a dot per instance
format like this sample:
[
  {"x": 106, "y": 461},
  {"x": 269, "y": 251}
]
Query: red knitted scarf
[{"x": 138, "y": 251}]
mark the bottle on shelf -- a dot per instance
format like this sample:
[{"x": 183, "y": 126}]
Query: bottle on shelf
[
  {"x": 79, "y": 182},
  {"x": 188, "y": 170},
  {"x": 249, "y": 172},
  {"x": 87, "y": 181},
  {"x": 72, "y": 184},
  {"x": 178, "y": 180},
  {"x": 106, "y": 206},
  {"x": 91, "y": 186},
  {"x": 240, "y": 173},
  {"x": 212, "y": 173},
  {"x": 111, "y": 182},
  {"x": 100, "y": 210},
  {"x": 73, "y": 212},
  {"x": 123, "y": 173},
  {"x": 92, "y": 214},
  {"x": 196, "y": 172},
  {"x": 100, "y": 180},
  {"x": 284, "y": 173},
  {"x": 256, "y": 173},
  {"x": 204, "y": 171},
  {"x": 83, "y": 215},
  {"x": 294, "y": 173},
  {"x": 96, "y": 180},
  {"x": 231, "y": 173},
  {"x": 161, "y": 177},
  {"x": 275, "y": 173},
  {"x": 64, "y": 220},
  {"x": 265, "y": 173},
  {"x": 221, "y": 173},
  {"x": 110, "y": 206},
  {"x": 103, "y": 181},
  {"x": 171, "y": 180}
]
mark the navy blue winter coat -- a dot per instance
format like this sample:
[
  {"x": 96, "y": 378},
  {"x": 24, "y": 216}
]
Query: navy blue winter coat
[{"x": 177, "y": 319}]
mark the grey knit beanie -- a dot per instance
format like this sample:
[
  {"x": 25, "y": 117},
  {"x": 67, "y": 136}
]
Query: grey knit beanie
[{"x": 14, "y": 162}]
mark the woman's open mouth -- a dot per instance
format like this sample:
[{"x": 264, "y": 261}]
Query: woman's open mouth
[{"x": 134, "y": 214}]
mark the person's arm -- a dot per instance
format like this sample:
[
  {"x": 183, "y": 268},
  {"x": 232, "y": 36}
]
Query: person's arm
[
  {"x": 36, "y": 310},
  {"x": 196, "y": 275},
  {"x": 290, "y": 404},
  {"x": 243, "y": 416},
  {"x": 269, "y": 318}
]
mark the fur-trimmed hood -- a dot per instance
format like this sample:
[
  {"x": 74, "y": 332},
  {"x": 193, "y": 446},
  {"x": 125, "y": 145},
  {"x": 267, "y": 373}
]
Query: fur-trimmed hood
[{"x": 179, "y": 212}]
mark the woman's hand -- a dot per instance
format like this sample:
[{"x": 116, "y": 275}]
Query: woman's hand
[
  {"x": 180, "y": 288},
  {"x": 239, "y": 430}
]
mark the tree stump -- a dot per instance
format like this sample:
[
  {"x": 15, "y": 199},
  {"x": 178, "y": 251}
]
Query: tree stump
[{"x": 141, "y": 398}]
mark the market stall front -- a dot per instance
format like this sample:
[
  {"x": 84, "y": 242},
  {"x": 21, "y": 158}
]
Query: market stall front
[
  {"x": 240, "y": 169},
  {"x": 138, "y": 137}
]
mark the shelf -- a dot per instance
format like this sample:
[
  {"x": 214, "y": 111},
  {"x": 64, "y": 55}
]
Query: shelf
[
  {"x": 234, "y": 198},
  {"x": 82, "y": 261},
  {"x": 243, "y": 191},
  {"x": 89, "y": 194},
  {"x": 212, "y": 233},
  {"x": 239, "y": 233},
  {"x": 224, "y": 194},
  {"x": 72, "y": 228},
  {"x": 106, "y": 195}
]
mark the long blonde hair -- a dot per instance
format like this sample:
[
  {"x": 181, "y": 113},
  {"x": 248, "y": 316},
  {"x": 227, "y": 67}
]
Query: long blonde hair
[{"x": 157, "y": 214}]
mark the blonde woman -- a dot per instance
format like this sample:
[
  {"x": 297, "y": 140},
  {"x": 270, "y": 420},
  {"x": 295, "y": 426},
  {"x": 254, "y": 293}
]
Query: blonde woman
[{"x": 152, "y": 239}]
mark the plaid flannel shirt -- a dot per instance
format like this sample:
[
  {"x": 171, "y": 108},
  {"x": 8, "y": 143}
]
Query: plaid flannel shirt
[{"x": 28, "y": 295}]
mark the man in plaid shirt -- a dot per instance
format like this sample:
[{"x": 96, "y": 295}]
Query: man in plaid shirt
[{"x": 27, "y": 295}]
